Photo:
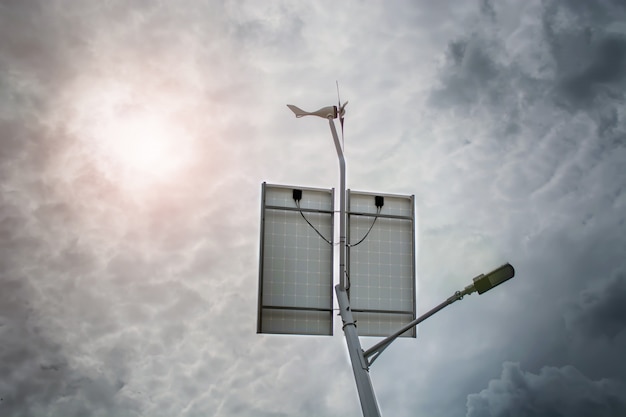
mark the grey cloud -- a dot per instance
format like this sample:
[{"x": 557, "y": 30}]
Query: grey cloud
[
  {"x": 609, "y": 61},
  {"x": 553, "y": 392},
  {"x": 475, "y": 76},
  {"x": 37, "y": 377},
  {"x": 589, "y": 59},
  {"x": 586, "y": 59},
  {"x": 487, "y": 9},
  {"x": 605, "y": 68},
  {"x": 558, "y": 184},
  {"x": 601, "y": 310},
  {"x": 472, "y": 74},
  {"x": 272, "y": 24}
]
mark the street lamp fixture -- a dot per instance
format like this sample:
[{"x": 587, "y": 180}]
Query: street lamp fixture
[{"x": 482, "y": 284}]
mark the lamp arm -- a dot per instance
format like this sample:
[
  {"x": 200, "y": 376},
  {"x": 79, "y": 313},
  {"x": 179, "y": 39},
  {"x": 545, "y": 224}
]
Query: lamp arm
[{"x": 379, "y": 347}]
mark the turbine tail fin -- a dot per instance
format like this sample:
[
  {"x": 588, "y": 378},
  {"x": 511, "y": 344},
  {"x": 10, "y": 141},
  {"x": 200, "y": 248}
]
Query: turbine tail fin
[
  {"x": 328, "y": 112},
  {"x": 297, "y": 111}
]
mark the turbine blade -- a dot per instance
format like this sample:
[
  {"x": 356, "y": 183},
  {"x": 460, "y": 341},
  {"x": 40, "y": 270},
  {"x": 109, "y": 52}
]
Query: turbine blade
[
  {"x": 342, "y": 109},
  {"x": 341, "y": 120},
  {"x": 338, "y": 99}
]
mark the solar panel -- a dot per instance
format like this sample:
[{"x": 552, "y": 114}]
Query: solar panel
[
  {"x": 381, "y": 269},
  {"x": 296, "y": 263}
]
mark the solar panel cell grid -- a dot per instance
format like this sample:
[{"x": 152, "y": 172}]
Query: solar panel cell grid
[
  {"x": 381, "y": 268},
  {"x": 295, "y": 282}
]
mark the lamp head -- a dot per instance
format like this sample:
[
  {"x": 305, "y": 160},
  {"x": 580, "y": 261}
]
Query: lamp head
[{"x": 485, "y": 282}]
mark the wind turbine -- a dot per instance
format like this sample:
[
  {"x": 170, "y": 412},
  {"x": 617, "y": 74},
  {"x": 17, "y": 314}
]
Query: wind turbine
[{"x": 328, "y": 112}]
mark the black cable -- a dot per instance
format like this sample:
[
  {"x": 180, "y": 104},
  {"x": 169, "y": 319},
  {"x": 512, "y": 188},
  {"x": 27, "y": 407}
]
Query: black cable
[
  {"x": 313, "y": 227},
  {"x": 370, "y": 229}
]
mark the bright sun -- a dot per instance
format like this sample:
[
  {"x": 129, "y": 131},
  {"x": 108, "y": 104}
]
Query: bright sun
[
  {"x": 134, "y": 139},
  {"x": 142, "y": 144}
]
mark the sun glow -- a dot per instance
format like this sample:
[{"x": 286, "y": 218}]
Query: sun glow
[
  {"x": 133, "y": 138},
  {"x": 141, "y": 144}
]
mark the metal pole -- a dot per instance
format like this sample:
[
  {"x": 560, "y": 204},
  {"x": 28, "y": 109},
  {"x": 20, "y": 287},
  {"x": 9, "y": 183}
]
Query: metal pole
[
  {"x": 342, "y": 206},
  {"x": 360, "y": 368}
]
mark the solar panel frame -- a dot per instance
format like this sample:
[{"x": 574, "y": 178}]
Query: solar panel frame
[
  {"x": 382, "y": 292},
  {"x": 295, "y": 293}
]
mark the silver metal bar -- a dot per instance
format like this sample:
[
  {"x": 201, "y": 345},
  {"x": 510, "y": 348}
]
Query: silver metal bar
[
  {"x": 387, "y": 216},
  {"x": 261, "y": 256},
  {"x": 413, "y": 254},
  {"x": 367, "y": 397},
  {"x": 367, "y": 310},
  {"x": 342, "y": 205},
  {"x": 305, "y": 210},
  {"x": 323, "y": 310},
  {"x": 379, "y": 347}
]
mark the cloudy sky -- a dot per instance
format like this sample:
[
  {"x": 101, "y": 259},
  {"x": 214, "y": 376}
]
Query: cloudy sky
[{"x": 135, "y": 136}]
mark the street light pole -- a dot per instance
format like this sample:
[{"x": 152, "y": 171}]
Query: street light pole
[
  {"x": 360, "y": 368},
  {"x": 342, "y": 206}
]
